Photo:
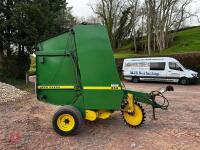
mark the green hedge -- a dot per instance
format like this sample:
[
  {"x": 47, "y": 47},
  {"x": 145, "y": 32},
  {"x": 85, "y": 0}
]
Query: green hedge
[
  {"x": 15, "y": 67},
  {"x": 188, "y": 60}
]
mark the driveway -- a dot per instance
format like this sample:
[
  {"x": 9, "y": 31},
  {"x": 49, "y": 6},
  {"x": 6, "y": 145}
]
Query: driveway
[{"x": 26, "y": 124}]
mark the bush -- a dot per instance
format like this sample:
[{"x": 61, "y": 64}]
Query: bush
[
  {"x": 32, "y": 72},
  {"x": 188, "y": 60},
  {"x": 15, "y": 66}
]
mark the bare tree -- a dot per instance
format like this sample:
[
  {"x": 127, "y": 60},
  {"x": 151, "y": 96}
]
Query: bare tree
[
  {"x": 93, "y": 20},
  {"x": 135, "y": 14},
  {"x": 150, "y": 6},
  {"x": 90, "y": 20},
  {"x": 110, "y": 12},
  {"x": 163, "y": 17},
  {"x": 157, "y": 20}
]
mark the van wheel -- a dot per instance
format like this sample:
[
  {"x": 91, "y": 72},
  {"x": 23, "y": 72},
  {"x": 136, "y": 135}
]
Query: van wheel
[
  {"x": 183, "y": 81},
  {"x": 135, "y": 80}
]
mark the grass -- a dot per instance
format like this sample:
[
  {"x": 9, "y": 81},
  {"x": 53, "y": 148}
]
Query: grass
[
  {"x": 124, "y": 52},
  {"x": 186, "y": 41}
]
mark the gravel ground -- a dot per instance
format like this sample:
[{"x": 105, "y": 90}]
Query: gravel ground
[
  {"x": 26, "y": 124},
  {"x": 10, "y": 93}
]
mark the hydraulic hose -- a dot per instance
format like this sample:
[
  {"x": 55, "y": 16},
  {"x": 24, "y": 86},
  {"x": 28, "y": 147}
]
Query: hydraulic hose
[{"x": 155, "y": 94}]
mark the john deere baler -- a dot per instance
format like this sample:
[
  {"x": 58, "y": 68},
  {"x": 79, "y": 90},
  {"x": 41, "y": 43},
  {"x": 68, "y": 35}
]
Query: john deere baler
[{"x": 77, "y": 71}]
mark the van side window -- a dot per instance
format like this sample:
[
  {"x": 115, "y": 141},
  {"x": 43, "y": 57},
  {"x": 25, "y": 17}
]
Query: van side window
[
  {"x": 157, "y": 66},
  {"x": 174, "y": 66}
]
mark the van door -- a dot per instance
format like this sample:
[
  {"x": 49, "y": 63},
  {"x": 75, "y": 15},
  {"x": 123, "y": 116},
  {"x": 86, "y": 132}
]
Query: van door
[
  {"x": 174, "y": 72},
  {"x": 156, "y": 72}
]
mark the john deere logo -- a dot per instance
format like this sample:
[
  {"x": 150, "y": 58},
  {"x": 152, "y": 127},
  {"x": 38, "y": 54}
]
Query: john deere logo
[
  {"x": 49, "y": 87},
  {"x": 114, "y": 86}
]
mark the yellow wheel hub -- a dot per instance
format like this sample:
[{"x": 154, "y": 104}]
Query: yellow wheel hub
[
  {"x": 66, "y": 122},
  {"x": 136, "y": 118}
]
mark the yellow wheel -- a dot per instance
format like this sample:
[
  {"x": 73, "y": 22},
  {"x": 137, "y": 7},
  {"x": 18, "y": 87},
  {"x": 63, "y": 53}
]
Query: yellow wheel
[
  {"x": 67, "y": 121},
  {"x": 136, "y": 118}
]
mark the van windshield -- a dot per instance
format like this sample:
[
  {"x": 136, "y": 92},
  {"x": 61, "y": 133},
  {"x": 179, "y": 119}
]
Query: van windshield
[
  {"x": 181, "y": 66},
  {"x": 175, "y": 66}
]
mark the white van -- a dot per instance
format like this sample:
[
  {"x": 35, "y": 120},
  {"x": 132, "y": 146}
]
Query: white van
[{"x": 164, "y": 69}]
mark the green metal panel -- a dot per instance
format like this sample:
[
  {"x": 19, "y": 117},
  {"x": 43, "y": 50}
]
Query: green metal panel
[
  {"x": 55, "y": 67},
  {"x": 55, "y": 70},
  {"x": 53, "y": 53},
  {"x": 60, "y": 42},
  {"x": 97, "y": 67},
  {"x": 57, "y": 58}
]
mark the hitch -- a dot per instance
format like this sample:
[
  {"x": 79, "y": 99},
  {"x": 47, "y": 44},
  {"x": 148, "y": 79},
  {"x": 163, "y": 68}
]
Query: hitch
[
  {"x": 159, "y": 93},
  {"x": 150, "y": 98}
]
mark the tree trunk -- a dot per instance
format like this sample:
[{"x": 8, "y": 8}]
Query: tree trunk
[
  {"x": 148, "y": 37},
  {"x": 27, "y": 78},
  {"x": 134, "y": 40},
  {"x": 8, "y": 27}
]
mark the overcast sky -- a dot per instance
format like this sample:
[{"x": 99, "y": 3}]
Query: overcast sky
[{"x": 81, "y": 9}]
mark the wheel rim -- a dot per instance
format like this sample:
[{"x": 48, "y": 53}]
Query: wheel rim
[
  {"x": 66, "y": 122},
  {"x": 136, "y": 118},
  {"x": 135, "y": 80},
  {"x": 184, "y": 81}
]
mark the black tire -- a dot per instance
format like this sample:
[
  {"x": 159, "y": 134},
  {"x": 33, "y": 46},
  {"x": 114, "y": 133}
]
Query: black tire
[
  {"x": 183, "y": 81},
  {"x": 69, "y": 110},
  {"x": 135, "y": 79}
]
